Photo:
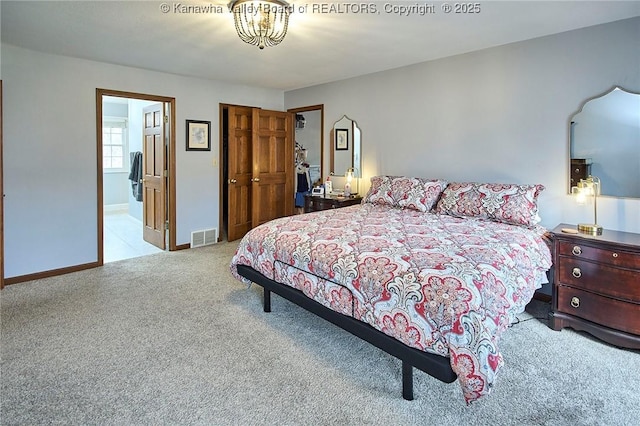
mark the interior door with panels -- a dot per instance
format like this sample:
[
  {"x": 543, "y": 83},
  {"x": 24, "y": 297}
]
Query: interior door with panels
[
  {"x": 154, "y": 177},
  {"x": 240, "y": 169},
  {"x": 272, "y": 180},
  {"x": 259, "y": 179}
]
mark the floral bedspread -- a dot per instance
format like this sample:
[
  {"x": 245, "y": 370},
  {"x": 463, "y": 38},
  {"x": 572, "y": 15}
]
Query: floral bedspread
[{"x": 438, "y": 283}]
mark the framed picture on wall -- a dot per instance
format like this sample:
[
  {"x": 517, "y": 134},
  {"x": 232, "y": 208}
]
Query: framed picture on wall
[
  {"x": 198, "y": 135},
  {"x": 342, "y": 139}
]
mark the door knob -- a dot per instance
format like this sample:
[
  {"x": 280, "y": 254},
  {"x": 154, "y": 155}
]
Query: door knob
[
  {"x": 232, "y": 181},
  {"x": 255, "y": 179}
]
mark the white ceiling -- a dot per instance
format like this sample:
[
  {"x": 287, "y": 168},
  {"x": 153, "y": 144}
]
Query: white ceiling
[{"x": 319, "y": 47}]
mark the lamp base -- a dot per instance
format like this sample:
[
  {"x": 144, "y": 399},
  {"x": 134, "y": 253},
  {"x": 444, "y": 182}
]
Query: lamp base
[{"x": 589, "y": 228}]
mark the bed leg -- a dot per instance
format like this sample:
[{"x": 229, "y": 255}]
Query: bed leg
[
  {"x": 267, "y": 300},
  {"x": 407, "y": 381}
]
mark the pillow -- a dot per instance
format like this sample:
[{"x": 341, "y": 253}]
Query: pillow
[
  {"x": 405, "y": 192},
  {"x": 509, "y": 203},
  {"x": 380, "y": 191},
  {"x": 417, "y": 194}
]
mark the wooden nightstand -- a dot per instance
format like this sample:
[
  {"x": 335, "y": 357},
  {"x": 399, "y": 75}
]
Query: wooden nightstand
[
  {"x": 597, "y": 285},
  {"x": 314, "y": 204}
]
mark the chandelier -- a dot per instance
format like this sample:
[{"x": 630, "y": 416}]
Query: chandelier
[{"x": 261, "y": 22}]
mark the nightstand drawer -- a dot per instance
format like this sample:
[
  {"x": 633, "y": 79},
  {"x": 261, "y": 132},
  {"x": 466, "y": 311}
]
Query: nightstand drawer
[
  {"x": 599, "y": 278},
  {"x": 601, "y": 310},
  {"x": 610, "y": 257}
]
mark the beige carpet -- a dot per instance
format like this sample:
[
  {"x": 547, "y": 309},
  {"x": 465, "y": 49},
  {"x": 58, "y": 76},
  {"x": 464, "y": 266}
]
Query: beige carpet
[{"x": 172, "y": 338}]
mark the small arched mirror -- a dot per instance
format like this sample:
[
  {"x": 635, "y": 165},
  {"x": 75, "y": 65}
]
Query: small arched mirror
[
  {"x": 605, "y": 142},
  {"x": 346, "y": 146}
]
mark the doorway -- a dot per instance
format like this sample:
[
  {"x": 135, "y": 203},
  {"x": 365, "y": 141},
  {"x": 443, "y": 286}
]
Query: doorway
[
  {"x": 135, "y": 211},
  {"x": 122, "y": 148},
  {"x": 309, "y": 129}
]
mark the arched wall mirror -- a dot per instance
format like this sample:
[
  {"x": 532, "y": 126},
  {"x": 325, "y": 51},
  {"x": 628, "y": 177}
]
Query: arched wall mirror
[
  {"x": 346, "y": 146},
  {"x": 605, "y": 142}
]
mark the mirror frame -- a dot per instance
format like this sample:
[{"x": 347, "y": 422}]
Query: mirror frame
[
  {"x": 354, "y": 125},
  {"x": 571, "y": 130}
]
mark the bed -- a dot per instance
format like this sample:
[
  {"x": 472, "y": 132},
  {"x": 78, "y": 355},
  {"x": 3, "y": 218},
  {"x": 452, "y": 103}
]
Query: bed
[{"x": 429, "y": 271}]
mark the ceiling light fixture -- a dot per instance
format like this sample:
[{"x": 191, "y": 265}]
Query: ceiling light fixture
[{"x": 261, "y": 22}]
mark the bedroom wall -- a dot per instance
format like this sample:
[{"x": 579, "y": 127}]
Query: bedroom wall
[
  {"x": 500, "y": 114},
  {"x": 50, "y": 152}
]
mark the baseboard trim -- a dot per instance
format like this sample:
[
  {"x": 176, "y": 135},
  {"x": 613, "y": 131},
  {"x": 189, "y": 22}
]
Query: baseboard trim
[
  {"x": 50, "y": 273},
  {"x": 67, "y": 270},
  {"x": 110, "y": 208}
]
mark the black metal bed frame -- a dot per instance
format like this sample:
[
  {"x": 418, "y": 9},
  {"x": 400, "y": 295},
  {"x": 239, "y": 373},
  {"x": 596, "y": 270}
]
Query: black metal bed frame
[{"x": 432, "y": 364}]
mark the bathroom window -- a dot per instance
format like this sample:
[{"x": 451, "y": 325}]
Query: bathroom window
[{"x": 114, "y": 144}]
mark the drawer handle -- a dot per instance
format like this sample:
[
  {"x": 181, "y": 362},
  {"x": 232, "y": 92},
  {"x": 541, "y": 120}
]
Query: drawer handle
[
  {"x": 576, "y": 272},
  {"x": 615, "y": 254},
  {"x": 575, "y": 302},
  {"x": 576, "y": 250}
]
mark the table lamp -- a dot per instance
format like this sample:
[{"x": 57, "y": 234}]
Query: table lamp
[
  {"x": 350, "y": 176},
  {"x": 586, "y": 188}
]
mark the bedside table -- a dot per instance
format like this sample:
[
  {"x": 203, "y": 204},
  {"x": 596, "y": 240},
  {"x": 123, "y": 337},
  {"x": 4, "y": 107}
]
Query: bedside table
[
  {"x": 315, "y": 204},
  {"x": 597, "y": 285}
]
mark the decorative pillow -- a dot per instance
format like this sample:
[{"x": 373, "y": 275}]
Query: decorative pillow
[
  {"x": 380, "y": 191},
  {"x": 508, "y": 203},
  {"x": 405, "y": 192},
  {"x": 415, "y": 193}
]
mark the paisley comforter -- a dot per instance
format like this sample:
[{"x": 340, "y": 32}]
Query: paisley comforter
[{"x": 438, "y": 283}]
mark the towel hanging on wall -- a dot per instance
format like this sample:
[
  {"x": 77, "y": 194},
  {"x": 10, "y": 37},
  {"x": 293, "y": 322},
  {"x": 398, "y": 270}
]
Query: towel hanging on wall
[{"x": 135, "y": 175}]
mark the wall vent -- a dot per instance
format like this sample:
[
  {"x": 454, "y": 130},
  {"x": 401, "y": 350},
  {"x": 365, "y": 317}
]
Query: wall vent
[{"x": 204, "y": 238}]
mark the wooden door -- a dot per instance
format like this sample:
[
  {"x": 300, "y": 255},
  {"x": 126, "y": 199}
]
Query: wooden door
[
  {"x": 273, "y": 173},
  {"x": 240, "y": 170},
  {"x": 154, "y": 176}
]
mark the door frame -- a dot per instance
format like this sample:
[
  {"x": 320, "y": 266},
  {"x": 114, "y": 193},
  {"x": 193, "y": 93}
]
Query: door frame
[
  {"x": 171, "y": 163},
  {"x": 319, "y": 107}
]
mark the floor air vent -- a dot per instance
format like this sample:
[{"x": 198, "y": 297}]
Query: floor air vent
[{"x": 204, "y": 238}]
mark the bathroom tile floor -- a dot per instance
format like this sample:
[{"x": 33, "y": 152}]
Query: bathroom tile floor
[{"x": 123, "y": 238}]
